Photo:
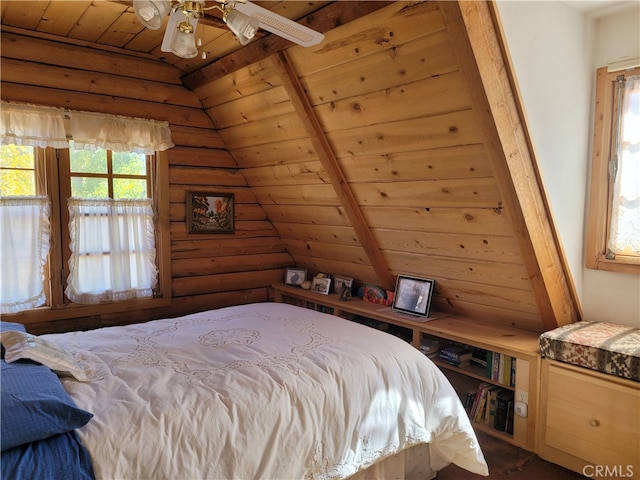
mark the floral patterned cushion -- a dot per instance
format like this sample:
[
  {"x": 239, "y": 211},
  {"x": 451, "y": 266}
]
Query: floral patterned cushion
[{"x": 606, "y": 347}]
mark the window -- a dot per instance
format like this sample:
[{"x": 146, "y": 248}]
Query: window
[
  {"x": 24, "y": 231},
  {"x": 90, "y": 192},
  {"x": 613, "y": 229},
  {"x": 105, "y": 208},
  {"x": 108, "y": 225}
]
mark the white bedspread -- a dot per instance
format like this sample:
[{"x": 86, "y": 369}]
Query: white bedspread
[{"x": 260, "y": 391}]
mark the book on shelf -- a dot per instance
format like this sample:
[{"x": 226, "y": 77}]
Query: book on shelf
[
  {"x": 476, "y": 401},
  {"x": 483, "y": 405},
  {"x": 456, "y": 355},
  {"x": 430, "y": 347},
  {"x": 510, "y": 407},
  {"x": 496, "y": 366},
  {"x": 469, "y": 399},
  {"x": 501, "y": 368},
  {"x": 512, "y": 376},
  {"x": 505, "y": 366},
  {"x": 504, "y": 412},
  {"x": 490, "y": 411},
  {"x": 479, "y": 356}
]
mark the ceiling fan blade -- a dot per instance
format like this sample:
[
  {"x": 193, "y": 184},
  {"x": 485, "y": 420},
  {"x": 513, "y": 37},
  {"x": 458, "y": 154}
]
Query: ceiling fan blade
[{"x": 281, "y": 26}]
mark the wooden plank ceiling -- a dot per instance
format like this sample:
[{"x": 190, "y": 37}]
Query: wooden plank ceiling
[{"x": 394, "y": 146}]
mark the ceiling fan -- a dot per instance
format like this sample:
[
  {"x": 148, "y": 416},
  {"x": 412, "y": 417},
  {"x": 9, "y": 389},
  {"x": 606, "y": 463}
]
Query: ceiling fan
[{"x": 242, "y": 17}]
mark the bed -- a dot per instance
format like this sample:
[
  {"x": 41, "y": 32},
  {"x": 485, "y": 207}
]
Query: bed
[{"x": 264, "y": 390}]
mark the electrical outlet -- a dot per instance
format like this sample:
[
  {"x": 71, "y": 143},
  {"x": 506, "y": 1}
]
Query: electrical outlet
[{"x": 522, "y": 396}]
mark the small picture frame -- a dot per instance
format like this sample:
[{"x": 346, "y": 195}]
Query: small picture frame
[
  {"x": 345, "y": 294},
  {"x": 413, "y": 295},
  {"x": 295, "y": 276},
  {"x": 210, "y": 212},
  {"x": 321, "y": 285},
  {"x": 339, "y": 284}
]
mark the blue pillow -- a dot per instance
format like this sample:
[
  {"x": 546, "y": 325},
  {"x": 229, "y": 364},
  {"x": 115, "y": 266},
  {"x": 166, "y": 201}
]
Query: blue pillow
[
  {"x": 34, "y": 405},
  {"x": 59, "y": 457},
  {"x": 10, "y": 327}
]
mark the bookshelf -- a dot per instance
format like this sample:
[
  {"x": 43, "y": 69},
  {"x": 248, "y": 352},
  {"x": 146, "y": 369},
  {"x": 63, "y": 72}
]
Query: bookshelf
[{"x": 518, "y": 344}]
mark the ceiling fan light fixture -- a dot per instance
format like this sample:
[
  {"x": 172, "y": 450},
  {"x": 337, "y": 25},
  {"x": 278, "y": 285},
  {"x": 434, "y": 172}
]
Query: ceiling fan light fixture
[
  {"x": 183, "y": 43},
  {"x": 243, "y": 26},
  {"x": 179, "y": 38},
  {"x": 241, "y": 17},
  {"x": 151, "y": 13}
]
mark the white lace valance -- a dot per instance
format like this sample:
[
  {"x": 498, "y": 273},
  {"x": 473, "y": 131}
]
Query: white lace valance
[
  {"x": 120, "y": 134},
  {"x": 32, "y": 125},
  {"x": 45, "y": 127}
]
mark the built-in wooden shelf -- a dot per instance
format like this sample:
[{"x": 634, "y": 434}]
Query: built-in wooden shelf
[{"x": 519, "y": 344}]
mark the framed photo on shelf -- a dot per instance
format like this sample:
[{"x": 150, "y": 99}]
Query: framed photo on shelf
[
  {"x": 295, "y": 276},
  {"x": 321, "y": 285},
  {"x": 413, "y": 295},
  {"x": 339, "y": 283},
  {"x": 210, "y": 212}
]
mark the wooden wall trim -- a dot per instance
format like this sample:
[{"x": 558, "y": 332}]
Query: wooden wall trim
[
  {"x": 330, "y": 163},
  {"x": 481, "y": 55}
]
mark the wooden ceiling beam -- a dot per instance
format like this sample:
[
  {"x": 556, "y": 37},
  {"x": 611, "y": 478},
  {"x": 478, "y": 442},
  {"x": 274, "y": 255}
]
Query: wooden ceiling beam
[
  {"x": 323, "y": 149},
  {"x": 323, "y": 20}
]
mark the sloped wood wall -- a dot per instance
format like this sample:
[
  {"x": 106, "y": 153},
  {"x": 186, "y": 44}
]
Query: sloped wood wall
[
  {"x": 389, "y": 113},
  {"x": 395, "y": 146},
  {"x": 208, "y": 271}
]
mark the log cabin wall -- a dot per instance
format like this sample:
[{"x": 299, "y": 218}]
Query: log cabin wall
[
  {"x": 208, "y": 270},
  {"x": 394, "y": 146}
]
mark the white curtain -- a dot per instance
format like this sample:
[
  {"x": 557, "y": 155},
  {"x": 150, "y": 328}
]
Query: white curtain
[
  {"x": 32, "y": 125},
  {"x": 113, "y": 250},
  {"x": 624, "y": 236},
  {"x": 24, "y": 246},
  {"x": 120, "y": 134}
]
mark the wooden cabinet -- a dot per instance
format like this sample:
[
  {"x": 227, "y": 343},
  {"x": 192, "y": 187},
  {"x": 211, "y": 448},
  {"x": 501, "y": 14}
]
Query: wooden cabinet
[
  {"x": 589, "y": 421},
  {"x": 519, "y": 344}
]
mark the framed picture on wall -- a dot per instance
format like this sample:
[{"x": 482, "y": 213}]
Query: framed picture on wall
[
  {"x": 413, "y": 295},
  {"x": 210, "y": 212}
]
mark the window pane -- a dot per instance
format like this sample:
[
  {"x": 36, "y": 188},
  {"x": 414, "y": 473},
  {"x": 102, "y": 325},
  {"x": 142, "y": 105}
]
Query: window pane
[
  {"x": 87, "y": 161},
  {"x": 17, "y": 171},
  {"x": 126, "y": 163},
  {"x": 624, "y": 235},
  {"x": 129, "y": 188},
  {"x": 87, "y": 187},
  {"x": 14, "y": 156},
  {"x": 17, "y": 183}
]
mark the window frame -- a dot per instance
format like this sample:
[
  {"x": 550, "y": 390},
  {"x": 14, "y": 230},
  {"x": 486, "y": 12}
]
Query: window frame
[
  {"x": 51, "y": 179},
  {"x": 599, "y": 211}
]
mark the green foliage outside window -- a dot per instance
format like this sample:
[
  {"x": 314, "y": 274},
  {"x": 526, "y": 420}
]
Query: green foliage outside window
[
  {"x": 89, "y": 173},
  {"x": 17, "y": 171},
  {"x": 95, "y": 163}
]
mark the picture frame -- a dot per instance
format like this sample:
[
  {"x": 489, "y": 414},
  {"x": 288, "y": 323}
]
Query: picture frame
[
  {"x": 339, "y": 283},
  {"x": 321, "y": 285},
  {"x": 210, "y": 212},
  {"x": 413, "y": 295},
  {"x": 295, "y": 276},
  {"x": 345, "y": 294}
]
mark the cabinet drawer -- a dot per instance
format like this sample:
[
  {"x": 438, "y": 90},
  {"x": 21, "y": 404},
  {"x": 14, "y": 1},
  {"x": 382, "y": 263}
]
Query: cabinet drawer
[{"x": 592, "y": 418}]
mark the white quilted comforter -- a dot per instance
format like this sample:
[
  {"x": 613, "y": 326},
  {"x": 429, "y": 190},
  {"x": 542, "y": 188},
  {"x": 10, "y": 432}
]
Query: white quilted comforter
[{"x": 265, "y": 390}]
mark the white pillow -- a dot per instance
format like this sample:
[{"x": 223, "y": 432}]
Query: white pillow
[{"x": 22, "y": 345}]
